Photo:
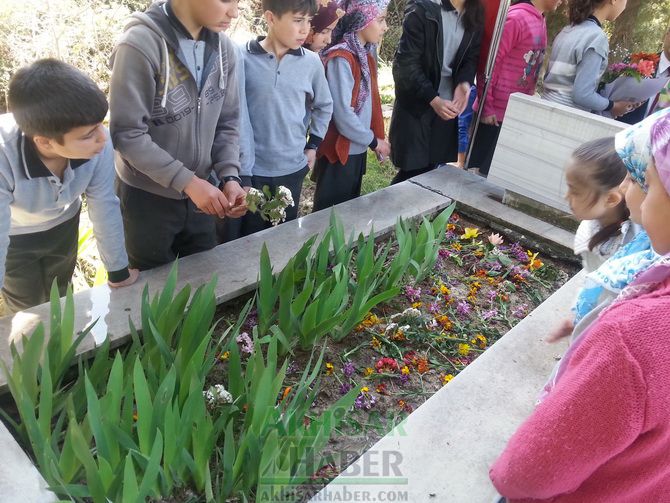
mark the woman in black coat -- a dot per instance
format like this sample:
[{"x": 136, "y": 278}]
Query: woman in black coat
[{"x": 433, "y": 69}]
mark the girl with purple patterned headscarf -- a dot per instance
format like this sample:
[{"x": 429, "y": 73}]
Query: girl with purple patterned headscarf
[
  {"x": 357, "y": 123},
  {"x": 358, "y": 16}
]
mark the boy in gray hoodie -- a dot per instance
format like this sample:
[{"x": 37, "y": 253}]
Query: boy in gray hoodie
[
  {"x": 174, "y": 104},
  {"x": 284, "y": 83},
  {"x": 53, "y": 149}
]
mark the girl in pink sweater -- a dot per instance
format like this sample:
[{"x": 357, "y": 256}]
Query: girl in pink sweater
[
  {"x": 516, "y": 70},
  {"x": 602, "y": 434}
]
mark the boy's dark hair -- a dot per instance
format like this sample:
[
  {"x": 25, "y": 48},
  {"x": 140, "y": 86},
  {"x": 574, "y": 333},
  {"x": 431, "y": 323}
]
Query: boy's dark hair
[
  {"x": 580, "y": 10},
  {"x": 601, "y": 169},
  {"x": 281, "y": 7},
  {"x": 49, "y": 98}
]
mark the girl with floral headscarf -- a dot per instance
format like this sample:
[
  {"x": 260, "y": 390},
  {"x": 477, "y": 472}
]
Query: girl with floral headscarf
[
  {"x": 603, "y": 431},
  {"x": 357, "y": 122}
]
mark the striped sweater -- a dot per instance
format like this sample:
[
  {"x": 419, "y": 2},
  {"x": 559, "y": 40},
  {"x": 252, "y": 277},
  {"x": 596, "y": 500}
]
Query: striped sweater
[{"x": 572, "y": 55}]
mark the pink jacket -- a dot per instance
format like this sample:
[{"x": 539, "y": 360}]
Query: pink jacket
[
  {"x": 519, "y": 58},
  {"x": 603, "y": 433}
]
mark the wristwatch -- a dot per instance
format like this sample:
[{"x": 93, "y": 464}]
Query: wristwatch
[{"x": 232, "y": 178}]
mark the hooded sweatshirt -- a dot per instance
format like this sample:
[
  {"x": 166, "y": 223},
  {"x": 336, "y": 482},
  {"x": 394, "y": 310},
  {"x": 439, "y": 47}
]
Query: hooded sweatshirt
[
  {"x": 166, "y": 126},
  {"x": 519, "y": 59}
]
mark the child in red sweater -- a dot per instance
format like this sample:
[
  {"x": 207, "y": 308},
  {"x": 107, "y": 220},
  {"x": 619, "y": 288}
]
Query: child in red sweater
[
  {"x": 517, "y": 66},
  {"x": 602, "y": 434}
]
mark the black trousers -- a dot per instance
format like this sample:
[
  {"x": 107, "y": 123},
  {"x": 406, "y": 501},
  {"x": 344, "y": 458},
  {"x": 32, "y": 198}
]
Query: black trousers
[
  {"x": 35, "y": 260},
  {"x": 159, "y": 229},
  {"x": 401, "y": 176},
  {"x": 337, "y": 183},
  {"x": 251, "y": 222},
  {"x": 484, "y": 147}
]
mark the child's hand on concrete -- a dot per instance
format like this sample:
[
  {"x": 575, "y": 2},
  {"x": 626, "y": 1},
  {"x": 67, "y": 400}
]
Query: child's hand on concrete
[
  {"x": 134, "y": 274},
  {"x": 206, "y": 197},
  {"x": 563, "y": 330},
  {"x": 311, "y": 157},
  {"x": 237, "y": 198}
]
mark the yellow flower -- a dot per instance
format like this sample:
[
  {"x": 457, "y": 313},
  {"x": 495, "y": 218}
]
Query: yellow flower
[
  {"x": 470, "y": 233},
  {"x": 447, "y": 378},
  {"x": 404, "y": 370},
  {"x": 365, "y": 389},
  {"x": 329, "y": 368},
  {"x": 457, "y": 246},
  {"x": 224, "y": 356},
  {"x": 451, "y": 227},
  {"x": 368, "y": 371},
  {"x": 375, "y": 343},
  {"x": 479, "y": 341},
  {"x": 417, "y": 305},
  {"x": 464, "y": 349},
  {"x": 370, "y": 321},
  {"x": 533, "y": 261},
  {"x": 444, "y": 290}
]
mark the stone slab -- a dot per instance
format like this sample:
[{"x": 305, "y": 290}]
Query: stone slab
[
  {"x": 19, "y": 479},
  {"x": 536, "y": 141},
  {"x": 478, "y": 196},
  {"x": 443, "y": 450},
  {"x": 236, "y": 265}
]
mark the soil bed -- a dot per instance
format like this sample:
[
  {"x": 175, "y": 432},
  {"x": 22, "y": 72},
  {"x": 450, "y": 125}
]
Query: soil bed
[{"x": 408, "y": 348}]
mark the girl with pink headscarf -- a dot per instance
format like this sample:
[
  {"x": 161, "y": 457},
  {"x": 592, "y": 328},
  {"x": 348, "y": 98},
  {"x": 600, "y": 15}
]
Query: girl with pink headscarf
[{"x": 603, "y": 431}]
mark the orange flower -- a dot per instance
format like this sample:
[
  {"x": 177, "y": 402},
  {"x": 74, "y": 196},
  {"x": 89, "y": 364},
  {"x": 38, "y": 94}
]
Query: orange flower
[
  {"x": 422, "y": 366},
  {"x": 381, "y": 388},
  {"x": 285, "y": 394},
  {"x": 375, "y": 343},
  {"x": 445, "y": 322},
  {"x": 398, "y": 336}
]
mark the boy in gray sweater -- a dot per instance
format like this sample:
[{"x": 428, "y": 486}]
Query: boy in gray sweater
[
  {"x": 284, "y": 83},
  {"x": 174, "y": 119},
  {"x": 54, "y": 149}
]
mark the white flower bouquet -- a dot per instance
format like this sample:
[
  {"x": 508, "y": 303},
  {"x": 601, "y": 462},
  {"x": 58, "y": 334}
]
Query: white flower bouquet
[{"x": 270, "y": 208}]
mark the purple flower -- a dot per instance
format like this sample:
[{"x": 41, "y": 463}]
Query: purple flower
[
  {"x": 365, "y": 401},
  {"x": 520, "y": 311},
  {"x": 450, "y": 235},
  {"x": 434, "y": 307},
  {"x": 491, "y": 295},
  {"x": 412, "y": 294},
  {"x": 246, "y": 344},
  {"x": 348, "y": 370},
  {"x": 463, "y": 308},
  {"x": 518, "y": 252},
  {"x": 444, "y": 253},
  {"x": 491, "y": 313},
  {"x": 252, "y": 318},
  {"x": 496, "y": 266},
  {"x": 345, "y": 387},
  {"x": 404, "y": 378}
]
